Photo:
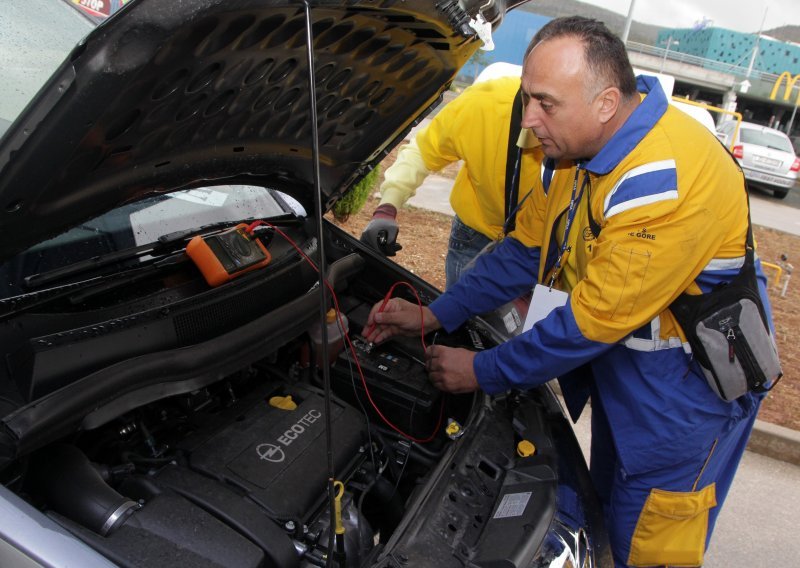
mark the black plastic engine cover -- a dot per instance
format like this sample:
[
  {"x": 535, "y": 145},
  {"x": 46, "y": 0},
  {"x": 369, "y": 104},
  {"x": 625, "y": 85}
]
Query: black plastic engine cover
[{"x": 279, "y": 456}]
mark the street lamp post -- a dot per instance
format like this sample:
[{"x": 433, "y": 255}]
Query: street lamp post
[
  {"x": 755, "y": 45},
  {"x": 626, "y": 31},
  {"x": 791, "y": 120},
  {"x": 670, "y": 42}
]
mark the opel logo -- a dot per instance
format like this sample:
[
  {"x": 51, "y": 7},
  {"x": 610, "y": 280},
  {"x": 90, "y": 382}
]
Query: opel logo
[{"x": 270, "y": 452}]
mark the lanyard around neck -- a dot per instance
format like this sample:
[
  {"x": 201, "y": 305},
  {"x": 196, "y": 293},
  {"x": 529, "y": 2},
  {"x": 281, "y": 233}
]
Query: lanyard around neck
[{"x": 574, "y": 199}]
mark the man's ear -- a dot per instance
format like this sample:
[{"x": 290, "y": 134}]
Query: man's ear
[{"x": 607, "y": 104}]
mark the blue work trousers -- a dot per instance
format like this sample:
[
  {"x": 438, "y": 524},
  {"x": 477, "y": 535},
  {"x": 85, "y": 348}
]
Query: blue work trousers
[{"x": 665, "y": 516}]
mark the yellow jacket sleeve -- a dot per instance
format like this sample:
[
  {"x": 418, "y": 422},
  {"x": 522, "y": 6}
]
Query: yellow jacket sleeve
[{"x": 401, "y": 180}]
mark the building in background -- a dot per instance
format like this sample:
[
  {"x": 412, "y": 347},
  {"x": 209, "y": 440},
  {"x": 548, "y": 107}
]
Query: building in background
[
  {"x": 724, "y": 68},
  {"x": 735, "y": 48}
]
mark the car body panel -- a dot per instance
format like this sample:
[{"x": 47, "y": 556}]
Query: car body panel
[{"x": 30, "y": 538}]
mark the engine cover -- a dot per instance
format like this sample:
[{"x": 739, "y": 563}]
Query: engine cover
[{"x": 279, "y": 456}]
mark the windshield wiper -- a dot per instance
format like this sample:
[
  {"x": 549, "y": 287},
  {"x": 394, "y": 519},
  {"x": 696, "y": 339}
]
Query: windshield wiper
[
  {"x": 83, "y": 289},
  {"x": 165, "y": 245},
  {"x": 106, "y": 284}
]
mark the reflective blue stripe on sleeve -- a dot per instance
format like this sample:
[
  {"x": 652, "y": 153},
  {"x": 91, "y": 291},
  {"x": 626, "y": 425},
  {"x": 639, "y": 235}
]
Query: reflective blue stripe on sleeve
[
  {"x": 649, "y": 183},
  {"x": 551, "y": 348},
  {"x": 498, "y": 277}
]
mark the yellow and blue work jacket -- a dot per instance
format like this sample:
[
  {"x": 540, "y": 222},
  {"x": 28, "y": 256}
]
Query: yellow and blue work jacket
[
  {"x": 473, "y": 128},
  {"x": 669, "y": 210}
]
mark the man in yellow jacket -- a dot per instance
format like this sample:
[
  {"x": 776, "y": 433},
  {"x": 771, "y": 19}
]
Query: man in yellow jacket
[
  {"x": 474, "y": 128},
  {"x": 654, "y": 206}
]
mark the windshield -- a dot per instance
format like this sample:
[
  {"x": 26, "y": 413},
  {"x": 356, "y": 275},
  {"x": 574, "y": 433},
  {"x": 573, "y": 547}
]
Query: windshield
[
  {"x": 35, "y": 37},
  {"x": 767, "y": 139},
  {"x": 142, "y": 223}
]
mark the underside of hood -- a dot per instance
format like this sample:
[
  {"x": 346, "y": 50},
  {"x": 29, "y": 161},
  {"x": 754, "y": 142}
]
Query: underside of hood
[{"x": 169, "y": 95}]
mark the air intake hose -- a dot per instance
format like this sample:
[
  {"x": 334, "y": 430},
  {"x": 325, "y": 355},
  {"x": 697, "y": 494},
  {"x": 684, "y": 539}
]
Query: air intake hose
[{"x": 63, "y": 475}]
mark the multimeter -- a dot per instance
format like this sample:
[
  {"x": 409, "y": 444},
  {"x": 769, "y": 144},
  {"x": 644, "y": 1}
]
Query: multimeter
[{"x": 226, "y": 255}]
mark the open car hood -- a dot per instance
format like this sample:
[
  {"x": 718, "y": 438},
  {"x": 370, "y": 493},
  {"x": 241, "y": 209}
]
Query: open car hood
[{"x": 171, "y": 95}]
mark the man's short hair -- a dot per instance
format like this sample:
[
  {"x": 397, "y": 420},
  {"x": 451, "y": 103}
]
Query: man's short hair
[{"x": 604, "y": 53}]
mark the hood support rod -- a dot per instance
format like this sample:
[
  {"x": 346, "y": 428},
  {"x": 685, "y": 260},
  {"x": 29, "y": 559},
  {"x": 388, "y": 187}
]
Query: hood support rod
[{"x": 323, "y": 290}]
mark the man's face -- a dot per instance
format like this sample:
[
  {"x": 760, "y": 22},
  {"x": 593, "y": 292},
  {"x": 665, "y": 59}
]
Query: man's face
[{"x": 560, "y": 106}]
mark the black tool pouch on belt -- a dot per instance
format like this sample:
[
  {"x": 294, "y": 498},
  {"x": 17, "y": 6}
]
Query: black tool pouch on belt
[{"x": 729, "y": 334}]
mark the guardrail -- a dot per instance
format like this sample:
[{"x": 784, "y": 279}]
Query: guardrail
[{"x": 711, "y": 64}]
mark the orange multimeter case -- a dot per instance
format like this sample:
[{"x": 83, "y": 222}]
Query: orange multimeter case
[{"x": 226, "y": 255}]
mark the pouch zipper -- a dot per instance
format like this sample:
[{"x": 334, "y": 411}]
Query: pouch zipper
[{"x": 738, "y": 347}]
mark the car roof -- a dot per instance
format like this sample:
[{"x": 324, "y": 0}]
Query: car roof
[{"x": 762, "y": 128}]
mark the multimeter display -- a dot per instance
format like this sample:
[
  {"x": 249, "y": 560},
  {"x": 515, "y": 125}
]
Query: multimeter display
[
  {"x": 235, "y": 251},
  {"x": 226, "y": 255}
]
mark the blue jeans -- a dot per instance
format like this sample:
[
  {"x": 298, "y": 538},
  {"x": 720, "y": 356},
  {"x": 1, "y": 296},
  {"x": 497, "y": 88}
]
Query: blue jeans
[{"x": 465, "y": 243}]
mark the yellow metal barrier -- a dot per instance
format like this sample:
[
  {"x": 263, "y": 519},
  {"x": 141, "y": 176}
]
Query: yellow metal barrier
[
  {"x": 778, "y": 271},
  {"x": 711, "y": 108}
]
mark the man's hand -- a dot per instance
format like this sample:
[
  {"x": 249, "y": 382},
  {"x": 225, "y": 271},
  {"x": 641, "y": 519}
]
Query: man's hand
[
  {"x": 450, "y": 369},
  {"x": 381, "y": 232},
  {"x": 398, "y": 317}
]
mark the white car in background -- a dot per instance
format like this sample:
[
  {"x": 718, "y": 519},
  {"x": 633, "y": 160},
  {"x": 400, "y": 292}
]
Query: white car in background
[{"x": 765, "y": 154}]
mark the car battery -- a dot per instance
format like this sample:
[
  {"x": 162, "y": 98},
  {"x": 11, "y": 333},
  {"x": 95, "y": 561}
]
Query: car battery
[{"x": 398, "y": 385}]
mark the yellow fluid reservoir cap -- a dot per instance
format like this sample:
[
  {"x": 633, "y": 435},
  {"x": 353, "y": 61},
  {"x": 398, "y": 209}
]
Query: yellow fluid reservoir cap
[
  {"x": 526, "y": 449},
  {"x": 453, "y": 428},
  {"x": 283, "y": 402},
  {"x": 330, "y": 317}
]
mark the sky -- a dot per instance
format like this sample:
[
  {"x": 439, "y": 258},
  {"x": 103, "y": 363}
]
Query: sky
[{"x": 740, "y": 15}]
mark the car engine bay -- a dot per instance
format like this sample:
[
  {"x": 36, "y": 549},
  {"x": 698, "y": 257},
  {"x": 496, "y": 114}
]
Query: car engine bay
[{"x": 193, "y": 430}]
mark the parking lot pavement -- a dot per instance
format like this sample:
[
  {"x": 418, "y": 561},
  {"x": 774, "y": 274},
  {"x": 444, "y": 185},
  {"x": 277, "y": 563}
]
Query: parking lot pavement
[
  {"x": 768, "y": 211},
  {"x": 758, "y": 524},
  {"x": 434, "y": 195}
]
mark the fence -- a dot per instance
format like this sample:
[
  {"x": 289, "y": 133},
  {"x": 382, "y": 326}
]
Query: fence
[{"x": 711, "y": 64}]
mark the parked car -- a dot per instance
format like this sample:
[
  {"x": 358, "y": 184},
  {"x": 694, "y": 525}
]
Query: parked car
[
  {"x": 174, "y": 391},
  {"x": 99, "y": 8},
  {"x": 765, "y": 154}
]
